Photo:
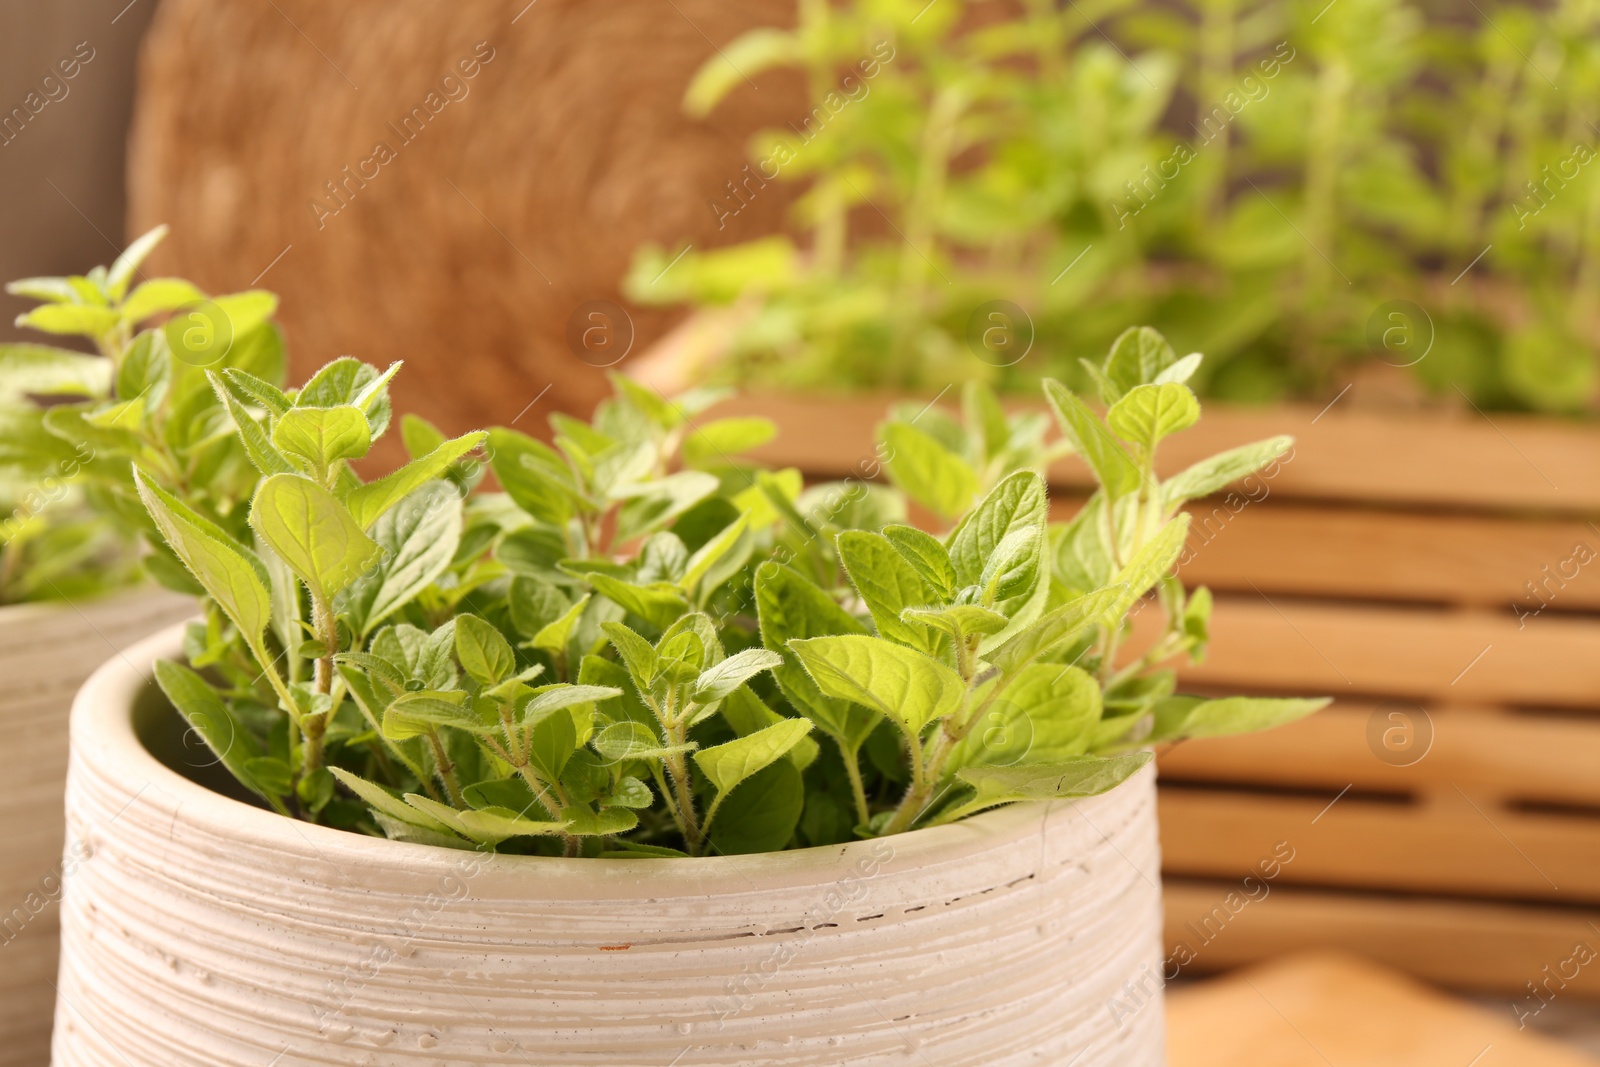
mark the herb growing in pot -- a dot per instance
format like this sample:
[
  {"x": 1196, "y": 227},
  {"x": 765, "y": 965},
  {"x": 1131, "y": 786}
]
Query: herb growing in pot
[
  {"x": 330, "y": 558},
  {"x": 71, "y": 423},
  {"x": 120, "y": 380},
  {"x": 1294, "y": 192},
  {"x": 634, "y": 648}
]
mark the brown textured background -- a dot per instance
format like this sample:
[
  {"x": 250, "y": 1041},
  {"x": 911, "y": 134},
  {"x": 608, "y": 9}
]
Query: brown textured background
[{"x": 570, "y": 149}]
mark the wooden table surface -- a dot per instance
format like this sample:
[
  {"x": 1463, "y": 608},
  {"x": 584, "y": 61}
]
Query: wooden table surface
[{"x": 1338, "y": 1011}]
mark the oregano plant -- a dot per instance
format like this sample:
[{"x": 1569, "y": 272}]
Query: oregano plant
[
  {"x": 644, "y": 644},
  {"x": 1298, "y": 190},
  {"x": 73, "y": 423}
]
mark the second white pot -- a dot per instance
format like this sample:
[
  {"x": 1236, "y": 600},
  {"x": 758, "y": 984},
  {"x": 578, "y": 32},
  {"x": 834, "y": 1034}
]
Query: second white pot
[
  {"x": 46, "y": 652},
  {"x": 201, "y": 931}
]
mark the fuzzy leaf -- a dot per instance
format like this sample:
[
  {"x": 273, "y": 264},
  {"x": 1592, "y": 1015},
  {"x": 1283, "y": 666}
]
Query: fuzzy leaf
[
  {"x": 1137, "y": 357},
  {"x": 1020, "y": 502},
  {"x": 1155, "y": 558},
  {"x": 489, "y": 826},
  {"x": 638, "y": 655},
  {"x": 41, "y": 370},
  {"x": 1080, "y": 776},
  {"x": 313, "y": 533},
  {"x": 230, "y": 572},
  {"x": 629, "y": 740},
  {"x": 217, "y": 725},
  {"x": 1054, "y": 629},
  {"x": 718, "y": 681},
  {"x": 1210, "y": 475},
  {"x": 323, "y": 436},
  {"x": 257, "y": 445},
  {"x": 1110, "y": 462},
  {"x": 553, "y": 637},
  {"x": 930, "y": 558},
  {"x": 534, "y": 475},
  {"x": 1181, "y": 371},
  {"x": 380, "y": 799},
  {"x": 159, "y": 296},
  {"x": 1230, "y": 715},
  {"x": 1007, "y": 527},
  {"x": 582, "y": 822},
  {"x": 889, "y": 585},
  {"x": 958, "y": 620},
  {"x": 552, "y": 698},
  {"x": 128, "y": 263},
  {"x": 1148, "y": 413},
  {"x": 715, "y": 442},
  {"x": 790, "y": 607},
  {"x": 729, "y": 764},
  {"x": 417, "y": 714},
  {"x": 1045, "y": 715},
  {"x": 927, "y": 471},
  {"x": 762, "y": 814},
  {"x": 79, "y": 320},
  {"x": 899, "y": 683},
  {"x": 659, "y": 603},
  {"x": 746, "y": 713},
  {"x": 368, "y": 502},
  {"x": 1082, "y": 561},
  {"x": 248, "y": 389},
  {"x": 419, "y": 539},
  {"x": 709, "y": 554},
  {"x": 483, "y": 651}
]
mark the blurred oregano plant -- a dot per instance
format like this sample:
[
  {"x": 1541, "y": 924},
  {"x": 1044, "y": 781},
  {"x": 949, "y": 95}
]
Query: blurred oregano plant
[
  {"x": 1296, "y": 189},
  {"x": 73, "y": 424},
  {"x": 645, "y": 644}
]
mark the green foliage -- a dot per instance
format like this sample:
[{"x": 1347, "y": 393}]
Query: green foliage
[
  {"x": 74, "y": 425},
  {"x": 644, "y": 646},
  {"x": 1291, "y": 188}
]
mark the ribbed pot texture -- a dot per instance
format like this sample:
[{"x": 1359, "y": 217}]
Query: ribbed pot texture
[
  {"x": 202, "y": 931},
  {"x": 46, "y": 652}
]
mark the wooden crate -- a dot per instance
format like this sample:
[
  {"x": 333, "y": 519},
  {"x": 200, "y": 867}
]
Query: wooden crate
[{"x": 1440, "y": 576}]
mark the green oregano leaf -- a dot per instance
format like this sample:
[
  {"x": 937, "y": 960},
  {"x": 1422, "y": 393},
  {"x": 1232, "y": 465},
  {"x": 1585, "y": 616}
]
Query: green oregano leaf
[
  {"x": 483, "y": 652},
  {"x": 313, "y": 533},
  {"x": 728, "y": 764},
  {"x": 899, "y": 683},
  {"x": 230, "y": 572}
]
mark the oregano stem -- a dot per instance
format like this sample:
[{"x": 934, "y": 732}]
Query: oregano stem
[
  {"x": 447, "y": 770},
  {"x": 711, "y": 814},
  {"x": 678, "y": 770},
  {"x": 316, "y": 723},
  {"x": 916, "y": 796},
  {"x": 657, "y": 773},
  {"x": 858, "y": 788}
]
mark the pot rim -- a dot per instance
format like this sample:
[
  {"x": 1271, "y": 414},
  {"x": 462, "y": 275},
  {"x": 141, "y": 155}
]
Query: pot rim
[{"x": 103, "y": 735}]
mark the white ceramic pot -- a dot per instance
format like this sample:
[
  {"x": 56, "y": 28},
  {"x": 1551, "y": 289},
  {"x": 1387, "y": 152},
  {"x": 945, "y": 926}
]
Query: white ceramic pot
[
  {"x": 46, "y": 652},
  {"x": 200, "y": 931}
]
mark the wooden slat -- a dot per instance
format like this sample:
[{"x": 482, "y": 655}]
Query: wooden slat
[
  {"x": 1348, "y": 454},
  {"x": 1340, "y": 552},
  {"x": 1386, "y": 555},
  {"x": 1465, "y": 657},
  {"x": 1488, "y": 754},
  {"x": 1483, "y": 947},
  {"x": 1333, "y": 1009},
  {"x": 1454, "y": 846}
]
